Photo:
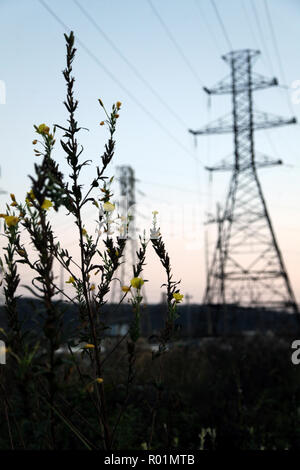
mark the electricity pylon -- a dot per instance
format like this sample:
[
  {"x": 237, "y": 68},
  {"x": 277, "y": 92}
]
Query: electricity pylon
[
  {"x": 247, "y": 267},
  {"x": 127, "y": 190},
  {"x": 127, "y": 180}
]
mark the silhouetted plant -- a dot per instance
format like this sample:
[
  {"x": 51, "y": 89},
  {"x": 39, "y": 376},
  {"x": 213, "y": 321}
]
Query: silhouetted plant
[{"x": 34, "y": 355}]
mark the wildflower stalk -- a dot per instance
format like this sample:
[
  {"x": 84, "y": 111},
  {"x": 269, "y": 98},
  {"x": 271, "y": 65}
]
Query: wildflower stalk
[
  {"x": 48, "y": 182},
  {"x": 11, "y": 281},
  {"x": 134, "y": 330},
  {"x": 173, "y": 297},
  {"x": 75, "y": 203}
]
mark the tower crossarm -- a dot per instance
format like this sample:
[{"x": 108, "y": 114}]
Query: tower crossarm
[
  {"x": 224, "y": 86},
  {"x": 263, "y": 120},
  {"x": 216, "y": 220},
  {"x": 262, "y": 162},
  {"x": 224, "y": 125}
]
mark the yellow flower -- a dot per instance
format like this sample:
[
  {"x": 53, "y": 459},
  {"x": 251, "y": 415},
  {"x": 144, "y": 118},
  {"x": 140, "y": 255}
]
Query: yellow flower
[
  {"x": 178, "y": 297},
  {"x": 31, "y": 195},
  {"x": 43, "y": 129},
  {"x": 84, "y": 232},
  {"x": 102, "y": 123},
  {"x": 99, "y": 380},
  {"x": 13, "y": 198},
  {"x": 125, "y": 288},
  {"x": 11, "y": 220},
  {"x": 71, "y": 280},
  {"x": 108, "y": 206},
  {"x": 155, "y": 212},
  {"x": 89, "y": 346},
  {"x": 137, "y": 282},
  {"x": 47, "y": 204},
  {"x": 118, "y": 104},
  {"x": 93, "y": 287}
]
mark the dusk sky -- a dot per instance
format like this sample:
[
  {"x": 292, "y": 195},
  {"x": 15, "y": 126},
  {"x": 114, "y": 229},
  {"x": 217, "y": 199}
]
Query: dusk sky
[{"x": 155, "y": 57}]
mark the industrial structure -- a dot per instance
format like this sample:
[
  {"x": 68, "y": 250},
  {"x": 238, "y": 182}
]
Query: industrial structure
[
  {"x": 247, "y": 268},
  {"x": 127, "y": 180}
]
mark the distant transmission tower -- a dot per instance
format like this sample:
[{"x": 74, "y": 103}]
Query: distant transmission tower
[
  {"x": 247, "y": 267},
  {"x": 127, "y": 180}
]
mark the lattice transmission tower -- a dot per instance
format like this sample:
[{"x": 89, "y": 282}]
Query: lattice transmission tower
[
  {"x": 247, "y": 266},
  {"x": 127, "y": 180}
]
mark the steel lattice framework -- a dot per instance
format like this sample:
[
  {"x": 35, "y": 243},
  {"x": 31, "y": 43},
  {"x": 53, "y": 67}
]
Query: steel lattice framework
[
  {"x": 247, "y": 267},
  {"x": 127, "y": 189},
  {"x": 127, "y": 180}
]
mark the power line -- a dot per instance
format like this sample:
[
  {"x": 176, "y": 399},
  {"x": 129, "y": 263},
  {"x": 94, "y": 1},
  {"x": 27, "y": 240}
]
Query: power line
[
  {"x": 274, "y": 41},
  {"x": 130, "y": 65},
  {"x": 271, "y": 143},
  {"x": 277, "y": 53},
  {"x": 191, "y": 68},
  {"x": 262, "y": 39},
  {"x": 208, "y": 27},
  {"x": 254, "y": 38},
  {"x": 271, "y": 27},
  {"x": 264, "y": 45},
  {"x": 261, "y": 34},
  {"x": 113, "y": 78},
  {"x": 186, "y": 61},
  {"x": 251, "y": 32},
  {"x": 249, "y": 23},
  {"x": 221, "y": 24},
  {"x": 175, "y": 44}
]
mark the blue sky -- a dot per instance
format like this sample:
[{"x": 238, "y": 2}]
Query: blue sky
[{"x": 150, "y": 137}]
